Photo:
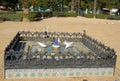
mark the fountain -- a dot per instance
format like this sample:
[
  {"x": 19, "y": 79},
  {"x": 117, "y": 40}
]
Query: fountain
[{"x": 57, "y": 54}]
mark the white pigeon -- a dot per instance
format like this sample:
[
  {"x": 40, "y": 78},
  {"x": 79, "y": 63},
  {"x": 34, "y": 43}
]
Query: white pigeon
[
  {"x": 68, "y": 44},
  {"x": 58, "y": 40},
  {"x": 42, "y": 45}
]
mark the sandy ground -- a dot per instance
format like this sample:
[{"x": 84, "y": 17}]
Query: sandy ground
[{"x": 106, "y": 31}]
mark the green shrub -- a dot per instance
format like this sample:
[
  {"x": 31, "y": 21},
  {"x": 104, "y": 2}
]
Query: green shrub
[
  {"x": 34, "y": 16},
  {"x": 31, "y": 16},
  {"x": 71, "y": 14},
  {"x": 59, "y": 14},
  {"x": 18, "y": 16},
  {"x": 114, "y": 17},
  {"x": 102, "y": 16},
  {"x": 6, "y": 12},
  {"x": 21, "y": 14},
  {"x": 89, "y": 15},
  {"x": 10, "y": 16},
  {"x": 2, "y": 19},
  {"x": 64, "y": 14}
]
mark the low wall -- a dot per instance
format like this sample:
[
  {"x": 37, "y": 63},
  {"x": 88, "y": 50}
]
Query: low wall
[{"x": 62, "y": 72}]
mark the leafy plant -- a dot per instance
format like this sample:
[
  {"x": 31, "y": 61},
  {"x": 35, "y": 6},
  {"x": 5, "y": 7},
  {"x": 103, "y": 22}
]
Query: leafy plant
[
  {"x": 100, "y": 16},
  {"x": 114, "y": 17},
  {"x": 89, "y": 15},
  {"x": 64, "y": 14},
  {"x": 34, "y": 16},
  {"x": 71, "y": 14},
  {"x": 31, "y": 16},
  {"x": 11, "y": 17}
]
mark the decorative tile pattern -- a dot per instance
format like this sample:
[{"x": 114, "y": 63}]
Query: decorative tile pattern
[
  {"x": 18, "y": 75},
  {"x": 69, "y": 72},
  {"x": 25, "y": 75}
]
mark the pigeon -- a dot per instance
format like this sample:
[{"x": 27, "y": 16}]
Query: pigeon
[
  {"x": 42, "y": 45},
  {"x": 58, "y": 40},
  {"x": 68, "y": 44}
]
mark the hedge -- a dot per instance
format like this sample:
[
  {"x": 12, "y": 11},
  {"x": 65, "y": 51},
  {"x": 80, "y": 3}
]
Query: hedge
[
  {"x": 100, "y": 16},
  {"x": 10, "y": 16},
  {"x": 114, "y": 17},
  {"x": 64, "y": 14}
]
